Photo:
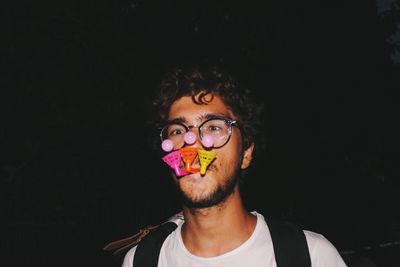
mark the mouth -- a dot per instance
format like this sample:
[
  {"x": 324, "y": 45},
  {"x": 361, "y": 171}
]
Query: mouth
[
  {"x": 194, "y": 172},
  {"x": 191, "y": 173},
  {"x": 195, "y": 166},
  {"x": 192, "y": 178}
]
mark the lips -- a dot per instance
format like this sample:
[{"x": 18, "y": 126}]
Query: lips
[
  {"x": 195, "y": 166},
  {"x": 196, "y": 169}
]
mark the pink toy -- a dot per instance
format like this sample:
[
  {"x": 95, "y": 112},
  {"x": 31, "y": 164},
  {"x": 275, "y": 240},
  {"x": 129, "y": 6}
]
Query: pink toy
[
  {"x": 207, "y": 140},
  {"x": 167, "y": 145},
  {"x": 173, "y": 159},
  {"x": 190, "y": 138}
]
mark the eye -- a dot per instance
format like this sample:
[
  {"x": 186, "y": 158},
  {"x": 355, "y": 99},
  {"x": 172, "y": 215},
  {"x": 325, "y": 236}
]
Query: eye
[
  {"x": 175, "y": 130},
  {"x": 214, "y": 128}
]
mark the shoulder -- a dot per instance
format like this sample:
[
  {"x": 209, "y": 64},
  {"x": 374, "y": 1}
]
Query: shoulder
[
  {"x": 153, "y": 240},
  {"x": 128, "y": 259},
  {"x": 322, "y": 251},
  {"x": 150, "y": 246}
]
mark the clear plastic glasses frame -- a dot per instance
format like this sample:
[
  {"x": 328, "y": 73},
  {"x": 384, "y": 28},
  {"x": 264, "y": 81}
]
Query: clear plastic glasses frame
[{"x": 219, "y": 128}]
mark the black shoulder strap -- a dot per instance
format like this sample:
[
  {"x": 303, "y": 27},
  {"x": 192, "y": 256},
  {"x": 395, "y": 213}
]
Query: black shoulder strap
[
  {"x": 148, "y": 250},
  {"x": 290, "y": 244}
]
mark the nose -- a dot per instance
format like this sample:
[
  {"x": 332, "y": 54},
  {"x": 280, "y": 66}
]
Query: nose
[{"x": 192, "y": 137}]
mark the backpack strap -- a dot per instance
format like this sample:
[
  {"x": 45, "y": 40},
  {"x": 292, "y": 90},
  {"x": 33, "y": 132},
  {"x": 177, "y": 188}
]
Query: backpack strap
[
  {"x": 120, "y": 247},
  {"x": 148, "y": 250},
  {"x": 290, "y": 244}
]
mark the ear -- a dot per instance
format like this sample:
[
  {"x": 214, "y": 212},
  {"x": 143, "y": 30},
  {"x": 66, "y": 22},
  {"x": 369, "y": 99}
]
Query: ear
[{"x": 247, "y": 157}]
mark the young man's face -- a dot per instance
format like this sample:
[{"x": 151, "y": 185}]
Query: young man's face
[{"x": 221, "y": 176}]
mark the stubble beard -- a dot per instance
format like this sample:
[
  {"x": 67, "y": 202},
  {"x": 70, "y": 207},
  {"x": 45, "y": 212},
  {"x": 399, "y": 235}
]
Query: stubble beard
[{"x": 216, "y": 197}]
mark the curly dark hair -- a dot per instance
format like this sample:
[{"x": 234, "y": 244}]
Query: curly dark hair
[{"x": 198, "y": 83}]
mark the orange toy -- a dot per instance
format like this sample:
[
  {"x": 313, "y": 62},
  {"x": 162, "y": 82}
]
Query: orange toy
[{"x": 188, "y": 155}]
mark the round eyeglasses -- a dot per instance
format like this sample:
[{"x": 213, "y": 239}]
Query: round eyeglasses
[{"x": 220, "y": 129}]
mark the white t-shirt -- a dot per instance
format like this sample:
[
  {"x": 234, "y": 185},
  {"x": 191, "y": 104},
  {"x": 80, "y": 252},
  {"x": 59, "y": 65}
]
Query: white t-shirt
[{"x": 257, "y": 251}]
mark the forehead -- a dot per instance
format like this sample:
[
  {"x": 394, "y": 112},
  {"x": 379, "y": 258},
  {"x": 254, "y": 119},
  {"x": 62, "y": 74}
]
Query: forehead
[{"x": 184, "y": 107}]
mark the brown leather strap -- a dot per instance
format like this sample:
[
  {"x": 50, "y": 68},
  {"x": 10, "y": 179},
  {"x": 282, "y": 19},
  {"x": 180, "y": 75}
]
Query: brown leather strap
[{"x": 123, "y": 245}]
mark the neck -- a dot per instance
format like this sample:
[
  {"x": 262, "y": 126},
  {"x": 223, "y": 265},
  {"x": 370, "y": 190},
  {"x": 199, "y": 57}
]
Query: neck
[{"x": 216, "y": 230}]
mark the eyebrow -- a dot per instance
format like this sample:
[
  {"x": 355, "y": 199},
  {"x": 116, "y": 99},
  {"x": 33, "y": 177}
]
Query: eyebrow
[
  {"x": 208, "y": 116},
  {"x": 178, "y": 120},
  {"x": 201, "y": 118}
]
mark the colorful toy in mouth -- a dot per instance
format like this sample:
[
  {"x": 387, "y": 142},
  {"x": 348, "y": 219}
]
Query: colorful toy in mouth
[
  {"x": 205, "y": 158},
  {"x": 207, "y": 141},
  {"x": 167, "y": 145},
  {"x": 188, "y": 155},
  {"x": 173, "y": 159},
  {"x": 190, "y": 138}
]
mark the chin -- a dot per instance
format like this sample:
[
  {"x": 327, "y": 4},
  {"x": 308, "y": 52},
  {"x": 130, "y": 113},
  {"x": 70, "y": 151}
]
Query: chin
[
  {"x": 195, "y": 186},
  {"x": 195, "y": 198}
]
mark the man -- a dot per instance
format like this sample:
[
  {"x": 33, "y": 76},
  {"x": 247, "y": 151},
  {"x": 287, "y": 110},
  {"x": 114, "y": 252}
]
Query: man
[{"x": 214, "y": 228}]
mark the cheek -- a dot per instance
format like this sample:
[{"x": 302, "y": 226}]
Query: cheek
[{"x": 229, "y": 161}]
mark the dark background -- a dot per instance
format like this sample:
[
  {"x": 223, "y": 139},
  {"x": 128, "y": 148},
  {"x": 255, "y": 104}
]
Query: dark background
[{"x": 76, "y": 167}]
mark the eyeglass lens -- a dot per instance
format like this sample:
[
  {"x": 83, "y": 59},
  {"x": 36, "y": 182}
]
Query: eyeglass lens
[{"x": 219, "y": 129}]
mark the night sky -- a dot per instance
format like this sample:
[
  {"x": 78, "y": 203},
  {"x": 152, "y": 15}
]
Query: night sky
[{"x": 77, "y": 170}]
